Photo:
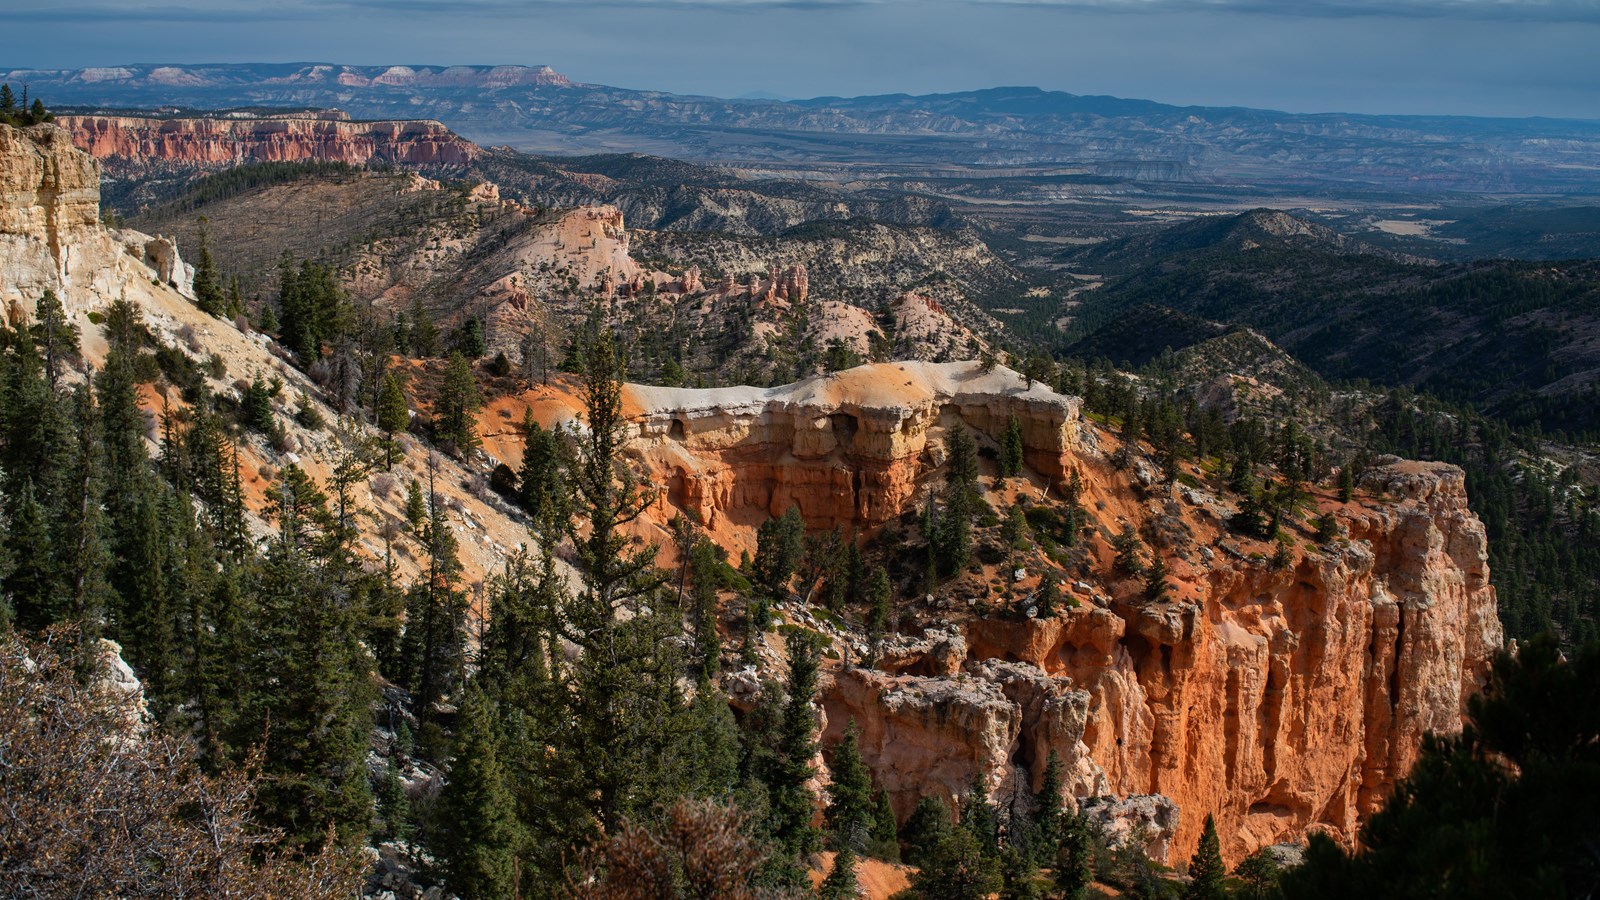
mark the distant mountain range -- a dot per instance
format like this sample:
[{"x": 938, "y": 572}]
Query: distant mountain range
[{"x": 538, "y": 110}]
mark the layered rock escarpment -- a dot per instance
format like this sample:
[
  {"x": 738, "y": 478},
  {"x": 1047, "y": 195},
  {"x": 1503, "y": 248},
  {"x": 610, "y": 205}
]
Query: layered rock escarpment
[
  {"x": 1280, "y": 698},
  {"x": 50, "y": 233},
  {"x": 219, "y": 142},
  {"x": 847, "y": 448}
]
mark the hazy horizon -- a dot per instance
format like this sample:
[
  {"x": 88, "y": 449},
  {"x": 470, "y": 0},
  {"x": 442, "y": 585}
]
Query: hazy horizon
[{"x": 1422, "y": 57}]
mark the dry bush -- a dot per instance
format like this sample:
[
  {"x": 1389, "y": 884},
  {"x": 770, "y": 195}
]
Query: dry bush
[
  {"x": 702, "y": 851},
  {"x": 97, "y": 803}
]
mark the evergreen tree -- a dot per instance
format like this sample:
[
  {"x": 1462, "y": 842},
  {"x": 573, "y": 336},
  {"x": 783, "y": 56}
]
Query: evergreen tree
[
  {"x": 468, "y": 339},
  {"x": 851, "y": 810},
  {"x": 540, "y": 482},
  {"x": 841, "y": 883},
  {"x": 316, "y": 718},
  {"x": 392, "y": 415},
  {"x": 1129, "y": 558},
  {"x": 629, "y": 721},
  {"x": 926, "y": 827},
  {"x": 1048, "y": 811},
  {"x": 1011, "y": 449},
  {"x": 208, "y": 293},
  {"x": 1156, "y": 587},
  {"x": 796, "y": 745},
  {"x": 957, "y": 868},
  {"x": 424, "y": 334},
  {"x": 714, "y": 767},
  {"x": 780, "y": 544},
  {"x": 979, "y": 817},
  {"x": 879, "y": 593},
  {"x": 705, "y": 577},
  {"x": 57, "y": 338},
  {"x": 953, "y": 533},
  {"x": 1074, "y": 862},
  {"x": 1018, "y": 876},
  {"x": 479, "y": 833},
  {"x": 1207, "y": 874},
  {"x": 884, "y": 841},
  {"x": 257, "y": 406},
  {"x": 30, "y": 588},
  {"x": 80, "y": 540},
  {"x": 416, "y": 507},
  {"x": 455, "y": 420},
  {"x": 434, "y": 642}
]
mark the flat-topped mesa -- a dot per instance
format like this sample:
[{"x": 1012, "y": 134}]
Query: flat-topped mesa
[
  {"x": 218, "y": 141},
  {"x": 846, "y": 448}
]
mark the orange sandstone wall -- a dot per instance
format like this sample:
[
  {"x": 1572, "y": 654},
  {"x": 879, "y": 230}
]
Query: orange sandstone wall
[{"x": 222, "y": 142}]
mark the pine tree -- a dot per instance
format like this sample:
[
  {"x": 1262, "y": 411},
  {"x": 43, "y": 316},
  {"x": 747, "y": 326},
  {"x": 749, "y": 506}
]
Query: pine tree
[
  {"x": 925, "y": 829},
  {"x": 30, "y": 586},
  {"x": 1207, "y": 874},
  {"x": 1347, "y": 482},
  {"x": 1156, "y": 587},
  {"x": 468, "y": 340},
  {"x": 780, "y": 544},
  {"x": 1129, "y": 558},
  {"x": 958, "y": 867},
  {"x": 57, "y": 338},
  {"x": 705, "y": 576},
  {"x": 80, "y": 540},
  {"x": 879, "y": 593},
  {"x": 791, "y": 801},
  {"x": 479, "y": 834},
  {"x": 1018, "y": 876},
  {"x": 841, "y": 883},
  {"x": 715, "y": 751},
  {"x": 424, "y": 334},
  {"x": 1011, "y": 450},
  {"x": 207, "y": 284},
  {"x": 416, "y": 507},
  {"x": 235, "y": 306},
  {"x": 316, "y": 718},
  {"x": 392, "y": 414},
  {"x": 1074, "y": 862},
  {"x": 257, "y": 406},
  {"x": 851, "y": 809},
  {"x": 1048, "y": 811},
  {"x": 539, "y": 483},
  {"x": 455, "y": 420},
  {"x": 435, "y": 640},
  {"x": 978, "y": 817},
  {"x": 953, "y": 533},
  {"x": 884, "y": 840},
  {"x": 630, "y": 721}
]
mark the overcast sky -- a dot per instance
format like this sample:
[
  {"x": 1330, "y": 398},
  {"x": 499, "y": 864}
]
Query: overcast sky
[{"x": 1489, "y": 57}]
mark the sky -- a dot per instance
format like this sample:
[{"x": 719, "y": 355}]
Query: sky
[{"x": 1474, "y": 57}]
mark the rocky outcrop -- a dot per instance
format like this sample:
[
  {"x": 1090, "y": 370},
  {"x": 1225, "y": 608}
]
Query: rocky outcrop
[
  {"x": 994, "y": 723},
  {"x": 1279, "y": 701},
  {"x": 846, "y": 448},
  {"x": 1279, "y": 698},
  {"x": 220, "y": 142},
  {"x": 50, "y": 234}
]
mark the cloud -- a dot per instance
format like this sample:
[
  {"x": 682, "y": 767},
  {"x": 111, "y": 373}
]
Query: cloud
[
  {"x": 247, "y": 10},
  {"x": 1512, "y": 10}
]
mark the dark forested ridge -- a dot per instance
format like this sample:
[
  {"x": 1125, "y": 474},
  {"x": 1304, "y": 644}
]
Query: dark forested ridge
[{"x": 1520, "y": 340}]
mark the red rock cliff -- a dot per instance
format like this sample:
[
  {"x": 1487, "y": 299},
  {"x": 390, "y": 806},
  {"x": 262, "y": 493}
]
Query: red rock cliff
[
  {"x": 226, "y": 142},
  {"x": 1281, "y": 699}
]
